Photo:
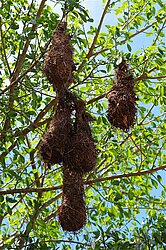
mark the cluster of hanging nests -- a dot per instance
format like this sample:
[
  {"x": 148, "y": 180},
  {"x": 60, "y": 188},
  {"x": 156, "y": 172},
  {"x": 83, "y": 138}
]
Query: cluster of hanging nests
[
  {"x": 122, "y": 99},
  {"x": 69, "y": 140}
]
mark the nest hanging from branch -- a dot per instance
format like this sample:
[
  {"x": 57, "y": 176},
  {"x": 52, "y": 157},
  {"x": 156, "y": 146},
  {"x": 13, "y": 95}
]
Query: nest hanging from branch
[
  {"x": 58, "y": 65},
  {"x": 52, "y": 145},
  {"x": 72, "y": 212},
  {"x": 81, "y": 153},
  {"x": 122, "y": 99}
]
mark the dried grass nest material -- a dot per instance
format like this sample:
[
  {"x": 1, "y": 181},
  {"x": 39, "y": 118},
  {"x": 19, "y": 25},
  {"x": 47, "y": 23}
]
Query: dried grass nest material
[
  {"x": 52, "y": 146},
  {"x": 81, "y": 152},
  {"x": 122, "y": 99},
  {"x": 72, "y": 212},
  {"x": 72, "y": 215},
  {"x": 58, "y": 65}
]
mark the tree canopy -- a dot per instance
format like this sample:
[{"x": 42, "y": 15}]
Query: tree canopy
[{"x": 125, "y": 194}]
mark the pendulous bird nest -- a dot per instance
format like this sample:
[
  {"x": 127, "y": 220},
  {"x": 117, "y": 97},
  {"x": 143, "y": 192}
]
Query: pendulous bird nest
[
  {"x": 72, "y": 212},
  {"x": 58, "y": 65},
  {"x": 52, "y": 146},
  {"x": 122, "y": 99},
  {"x": 68, "y": 140},
  {"x": 81, "y": 152}
]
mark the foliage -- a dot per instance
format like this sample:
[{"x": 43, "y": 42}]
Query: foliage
[{"x": 125, "y": 194}]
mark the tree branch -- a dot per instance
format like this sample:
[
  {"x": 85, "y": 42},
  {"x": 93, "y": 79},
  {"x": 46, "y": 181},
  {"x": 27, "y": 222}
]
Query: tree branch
[
  {"x": 150, "y": 109},
  {"x": 24, "y": 132},
  {"x": 98, "y": 30},
  {"x": 32, "y": 158},
  {"x": 3, "y": 47},
  {"x": 89, "y": 54},
  {"x": 50, "y": 216},
  {"x": 130, "y": 136},
  {"x": 18, "y": 67},
  {"x": 63, "y": 241},
  {"x": 118, "y": 176},
  {"x": 126, "y": 39},
  {"x": 21, "y": 76},
  {"x": 141, "y": 77},
  {"x": 22, "y": 56},
  {"x": 33, "y": 125},
  {"x": 145, "y": 76},
  {"x": 133, "y": 17}
]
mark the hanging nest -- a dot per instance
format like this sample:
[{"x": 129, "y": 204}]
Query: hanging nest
[
  {"x": 52, "y": 145},
  {"x": 122, "y": 99},
  {"x": 58, "y": 65},
  {"x": 81, "y": 153},
  {"x": 72, "y": 212}
]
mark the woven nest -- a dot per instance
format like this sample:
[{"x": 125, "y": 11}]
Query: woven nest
[
  {"x": 81, "y": 153},
  {"x": 122, "y": 99},
  {"x": 58, "y": 65},
  {"x": 72, "y": 212},
  {"x": 52, "y": 145}
]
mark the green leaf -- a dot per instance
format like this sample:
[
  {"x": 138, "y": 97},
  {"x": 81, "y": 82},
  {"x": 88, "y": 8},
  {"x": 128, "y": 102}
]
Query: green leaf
[
  {"x": 9, "y": 210},
  {"x": 129, "y": 47},
  {"x": 10, "y": 200},
  {"x": 159, "y": 61},
  {"x": 1, "y": 198},
  {"x": 159, "y": 178},
  {"x": 154, "y": 183},
  {"x": 118, "y": 197}
]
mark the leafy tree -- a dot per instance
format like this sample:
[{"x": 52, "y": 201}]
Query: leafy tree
[{"x": 125, "y": 194}]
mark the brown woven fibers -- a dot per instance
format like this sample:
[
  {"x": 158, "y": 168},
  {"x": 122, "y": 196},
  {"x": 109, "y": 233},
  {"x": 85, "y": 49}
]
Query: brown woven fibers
[
  {"x": 81, "y": 153},
  {"x": 72, "y": 212},
  {"x": 58, "y": 65},
  {"x": 52, "y": 145},
  {"x": 122, "y": 99}
]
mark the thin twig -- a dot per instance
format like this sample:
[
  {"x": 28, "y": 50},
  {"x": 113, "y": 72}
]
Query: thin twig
[
  {"x": 32, "y": 158},
  {"x": 150, "y": 109},
  {"x": 126, "y": 39},
  {"x": 133, "y": 17},
  {"x": 130, "y": 136}
]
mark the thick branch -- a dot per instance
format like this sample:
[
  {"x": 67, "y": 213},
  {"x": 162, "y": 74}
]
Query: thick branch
[
  {"x": 90, "y": 52},
  {"x": 118, "y": 176},
  {"x": 3, "y": 48},
  {"x": 141, "y": 77},
  {"x": 29, "y": 190},
  {"x": 98, "y": 30},
  {"x": 22, "y": 56},
  {"x": 145, "y": 76},
  {"x": 21, "y": 76},
  {"x": 63, "y": 241},
  {"x": 18, "y": 67}
]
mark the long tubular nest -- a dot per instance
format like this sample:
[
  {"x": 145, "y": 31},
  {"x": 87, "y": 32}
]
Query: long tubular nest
[
  {"x": 66, "y": 142},
  {"x": 81, "y": 153},
  {"x": 122, "y": 99},
  {"x": 58, "y": 65},
  {"x": 52, "y": 146},
  {"x": 72, "y": 212}
]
